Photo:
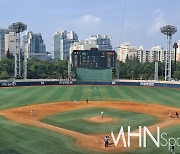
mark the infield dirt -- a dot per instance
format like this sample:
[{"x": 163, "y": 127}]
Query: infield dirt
[
  {"x": 99, "y": 119},
  {"x": 94, "y": 141}
]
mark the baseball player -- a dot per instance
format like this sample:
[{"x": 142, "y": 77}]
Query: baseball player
[
  {"x": 102, "y": 114},
  {"x": 86, "y": 100},
  {"x": 32, "y": 112},
  {"x": 106, "y": 141},
  {"x": 177, "y": 115},
  {"x": 170, "y": 114}
]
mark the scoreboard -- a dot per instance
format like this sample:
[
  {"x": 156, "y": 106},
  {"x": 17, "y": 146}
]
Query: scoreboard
[{"x": 94, "y": 58}]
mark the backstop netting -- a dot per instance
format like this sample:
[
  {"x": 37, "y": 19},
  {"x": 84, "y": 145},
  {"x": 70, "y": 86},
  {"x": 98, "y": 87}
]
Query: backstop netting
[{"x": 88, "y": 74}]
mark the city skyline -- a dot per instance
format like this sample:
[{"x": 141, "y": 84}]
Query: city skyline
[{"x": 141, "y": 24}]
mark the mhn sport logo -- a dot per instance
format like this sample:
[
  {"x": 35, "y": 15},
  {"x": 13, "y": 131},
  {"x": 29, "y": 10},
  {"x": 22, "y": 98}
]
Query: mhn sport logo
[{"x": 160, "y": 140}]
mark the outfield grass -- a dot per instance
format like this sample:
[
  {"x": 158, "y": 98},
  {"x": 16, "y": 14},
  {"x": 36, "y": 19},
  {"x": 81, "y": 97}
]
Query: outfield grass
[
  {"x": 21, "y": 139},
  {"x": 151, "y": 148},
  {"x": 74, "y": 120},
  {"x": 16, "y": 138},
  {"x": 21, "y": 96}
]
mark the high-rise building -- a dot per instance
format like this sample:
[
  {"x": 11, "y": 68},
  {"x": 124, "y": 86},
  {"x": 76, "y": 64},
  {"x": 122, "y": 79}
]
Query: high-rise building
[
  {"x": 33, "y": 46},
  {"x": 61, "y": 44},
  {"x": 178, "y": 52},
  {"x": 81, "y": 45},
  {"x": 140, "y": 53},
  {"x": 143, "y": 55},
  {"x": 101, "y": 42},
  {"x": 10, "y": 43},
  {"x": 156, "y": 54},
  {"x": 2, "y": 42},
  {"x": 95, "y": 41},
  {"x": 125, "y": 50}
]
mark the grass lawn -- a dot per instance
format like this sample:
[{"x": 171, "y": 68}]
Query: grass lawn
[
  {"x": 21, "y": 139},
  {"x": 151, "y": 148},
  {"x": 74, "y": 120},
  {"x": 21, "y": 96}
]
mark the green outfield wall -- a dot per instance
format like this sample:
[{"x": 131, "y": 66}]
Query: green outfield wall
[{"x": 87, "y": 74}]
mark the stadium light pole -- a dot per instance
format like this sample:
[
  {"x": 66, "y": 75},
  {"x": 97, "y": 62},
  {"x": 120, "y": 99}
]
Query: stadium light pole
[
  {"x": 156, "y": 71},
  {"x": 17, "y": 28},
  {"x": 168, "y": 30},
  {"x": 117, "y": 69},
  {"x": 69, "y": 70},
  {"x": 175, "y": 46}
]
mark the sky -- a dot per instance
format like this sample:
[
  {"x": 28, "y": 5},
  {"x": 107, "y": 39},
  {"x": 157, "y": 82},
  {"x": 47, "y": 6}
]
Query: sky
[{"x": 134, "y": 21}]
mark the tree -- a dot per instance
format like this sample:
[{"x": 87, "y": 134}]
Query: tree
[
  {"x": 133, "y": 69},
  {"x": 47, "y": 69},
  {"x": 4, "y": 75},
  {"x": 177, "y": 75}
]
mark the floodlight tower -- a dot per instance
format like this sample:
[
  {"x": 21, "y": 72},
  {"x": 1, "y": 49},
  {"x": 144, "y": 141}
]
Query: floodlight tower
[
  {"x": 175, "y": 46},
  {"x": 156, "y": 71},
  {"x": 69, "y": 69},
  {"x": 168, "y": 30},
  {"x": 17, "y": 28}
]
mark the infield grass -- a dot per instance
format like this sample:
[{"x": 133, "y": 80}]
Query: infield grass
[
  {"x": 21, "y": 96},
  {"x": 76, "y": 120},
  {"x": 19, "y": 139}
]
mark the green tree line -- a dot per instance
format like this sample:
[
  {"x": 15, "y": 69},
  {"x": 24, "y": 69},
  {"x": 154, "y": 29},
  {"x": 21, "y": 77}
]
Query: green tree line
[
  {"x": 37, "y": 69},
  {"x": 131, "y": 69}
]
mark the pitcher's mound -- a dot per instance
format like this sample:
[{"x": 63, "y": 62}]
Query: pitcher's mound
[{"x": 99, "y": 119}]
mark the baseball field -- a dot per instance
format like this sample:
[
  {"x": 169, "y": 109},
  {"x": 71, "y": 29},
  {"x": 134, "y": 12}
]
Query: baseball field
[{"x": 62, "y": 121}]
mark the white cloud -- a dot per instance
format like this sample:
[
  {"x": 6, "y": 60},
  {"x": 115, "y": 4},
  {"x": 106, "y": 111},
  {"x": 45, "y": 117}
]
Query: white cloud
[
  {"x": 158, "y": 22},
  {"x": 88, "y": 20},
  {"x": 158, "y": 12}
]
